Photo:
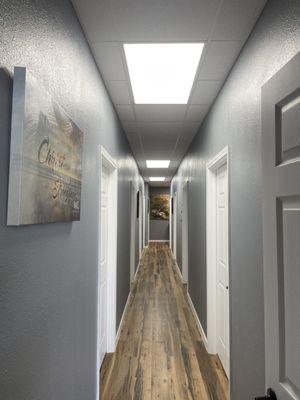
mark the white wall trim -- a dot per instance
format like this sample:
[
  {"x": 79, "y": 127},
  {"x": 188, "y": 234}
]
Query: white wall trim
[
  {"x": 199, "y": 326},
  {"x": 170, "y": 221},
  {"x": 133, "y": 210},
  {"x": 104, "y": 158},
  {"x": 122, "y": 318},
  {"x": 153, "y": 240},
  {"x": 177, "y": 268},
  {"x": 184, "y": 236},
  {"x": 211, "y": 167},
  {"x": 175, "y": 225},
  {"x": 201, "y": 330}
]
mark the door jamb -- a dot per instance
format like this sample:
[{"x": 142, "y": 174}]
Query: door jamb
[
  {"x": 211, "y": 263},
  {"x": 108, "y": 161},
  {"x": 140, "y": 222},
  {"x": 133, "y": 211},
  {"x": 175, "y": 225},
  {"x": 185, "y": 238},
  {"x": 170, "y": 222}
]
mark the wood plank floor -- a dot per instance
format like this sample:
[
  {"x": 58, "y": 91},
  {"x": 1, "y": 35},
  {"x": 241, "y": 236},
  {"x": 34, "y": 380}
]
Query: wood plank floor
[{"x": 160, "y": 353}]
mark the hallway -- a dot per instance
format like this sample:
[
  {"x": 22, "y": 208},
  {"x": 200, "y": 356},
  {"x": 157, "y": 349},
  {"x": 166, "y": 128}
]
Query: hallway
[{"x": 160, "y": 353}]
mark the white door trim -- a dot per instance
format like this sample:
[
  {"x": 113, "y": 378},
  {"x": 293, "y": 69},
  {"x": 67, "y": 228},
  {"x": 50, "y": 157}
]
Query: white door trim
[
  {"x": 211, "y": 231},
  {"x": 140, "y": 224},
  {"x": 144, "y": 221},
  {"x": 185, "y": 240},
  {"x": 106, "y": 160},
  {"x": 170, "y": 222},
  {"x": 133, "y": 206},
  {"x": 175, "y": 225}
]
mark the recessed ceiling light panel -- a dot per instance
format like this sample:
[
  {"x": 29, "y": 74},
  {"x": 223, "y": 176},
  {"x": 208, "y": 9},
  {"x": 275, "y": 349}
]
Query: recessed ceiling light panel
[
  {"x": 157, "y": 178},
  {"x": 157, "y": 163},
  {"x": 162, "y": 73}
]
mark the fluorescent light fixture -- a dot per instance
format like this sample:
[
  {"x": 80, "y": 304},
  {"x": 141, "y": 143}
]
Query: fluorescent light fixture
[
  {"x": 162, "y": 73},
  {"x": 157, "y": 163},
  {"x": 157, "y": 178}
]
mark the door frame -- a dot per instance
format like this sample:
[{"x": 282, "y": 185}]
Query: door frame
[
  {"x": 144, "y": 221},
  {"x": 133, "y": 211},
  {"x": 140, "y": 222},
  {"x": 175, "y": 225},
  {"x": 212, "y": 166},
  {"x": 106, "y": 160},
  {"x": 185, "y": 235},
  {"x": 170, "y": 222}
]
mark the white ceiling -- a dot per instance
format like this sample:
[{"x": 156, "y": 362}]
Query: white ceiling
[{"x": 165, "y": 131}]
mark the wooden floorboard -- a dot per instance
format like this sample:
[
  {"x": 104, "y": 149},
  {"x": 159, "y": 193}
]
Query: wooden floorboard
[{"x": 160, "y": 352}]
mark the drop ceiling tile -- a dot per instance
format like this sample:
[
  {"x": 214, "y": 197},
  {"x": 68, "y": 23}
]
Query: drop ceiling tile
[
  {"x": 129, "y": 127},
  {"x": 219, "y": 58},
  {"x": 161, "y": 112},
  {"x": 158, "y": 140},
  {"x": 119, "y": 92},
  {"x": 125, "y": 112},
  {"x": 205, "y": 92},
  {"x": 189, "y": 129},
  {"x": 153, "y": 152},
  {"x": 144, "y": 20},
  {"x": 236, "y": 19},
  {"x": 163, "y": 129},
  {"x": 196, "y": 113},
  {"x": 97, "y": 20},
  {"x": 108, "y": 56}
]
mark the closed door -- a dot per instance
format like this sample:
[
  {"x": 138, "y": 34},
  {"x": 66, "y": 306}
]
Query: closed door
[
  {"x": 222, "y": 268},
  {"x": 103, "y": 263},
  {"x": 281, "y": 229}
]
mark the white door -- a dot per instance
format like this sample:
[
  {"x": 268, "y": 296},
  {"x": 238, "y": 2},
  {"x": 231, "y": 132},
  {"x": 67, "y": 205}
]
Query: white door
[
  {"x": 222, "y": 268},
  {"x": 103, "y": 263}
]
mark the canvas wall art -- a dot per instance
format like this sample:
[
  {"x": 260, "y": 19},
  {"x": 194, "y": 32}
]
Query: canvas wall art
[
  {"x": 45, "y": 157},
  {"x": 159, "y": 207}
]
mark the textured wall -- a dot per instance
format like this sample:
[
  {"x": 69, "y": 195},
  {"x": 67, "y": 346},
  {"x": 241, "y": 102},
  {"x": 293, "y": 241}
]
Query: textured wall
[
  {"x": 159, "y": 230},
  {"x": 235, "y": 119},
  {"x": 48, "y": 273}
]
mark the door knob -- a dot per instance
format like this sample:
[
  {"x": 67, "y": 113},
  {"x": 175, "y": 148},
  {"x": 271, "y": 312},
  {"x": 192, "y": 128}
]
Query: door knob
[{"x": 269, "y": 396}]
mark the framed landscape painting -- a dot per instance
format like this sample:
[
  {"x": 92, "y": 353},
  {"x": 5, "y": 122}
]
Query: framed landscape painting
[
  {"x": 159, "y": 207},
  {"x": 45, "y": 157}
]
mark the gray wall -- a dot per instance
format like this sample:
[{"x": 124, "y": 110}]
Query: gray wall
[
  {"x": 48, "y": 273},
  {"x": 235, "y": 119},
  {"x": 159, "y": 230}
]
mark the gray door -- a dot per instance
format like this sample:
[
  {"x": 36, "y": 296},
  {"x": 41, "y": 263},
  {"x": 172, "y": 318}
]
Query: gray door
[{"x": 281, "y": 224}]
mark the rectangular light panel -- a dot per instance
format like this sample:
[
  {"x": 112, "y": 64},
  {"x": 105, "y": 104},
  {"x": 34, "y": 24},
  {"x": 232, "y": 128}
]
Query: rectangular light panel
[
  {"x": 157, "y": 179},
  {"x": 162, "y": 73},
  {"x": 157, "y": 163}
]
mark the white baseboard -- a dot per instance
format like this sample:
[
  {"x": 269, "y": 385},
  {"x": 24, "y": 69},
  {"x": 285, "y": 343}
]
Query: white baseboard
[
  {"x": 122, "y": 319},
  {"x": 165, "y": 241},
  {"x": 204, "y": 338},
  {"x": 177, "y": 267}
]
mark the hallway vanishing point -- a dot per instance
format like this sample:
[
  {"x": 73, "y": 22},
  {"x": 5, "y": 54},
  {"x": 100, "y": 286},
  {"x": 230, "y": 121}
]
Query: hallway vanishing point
[{"x": 160, "y": 353}]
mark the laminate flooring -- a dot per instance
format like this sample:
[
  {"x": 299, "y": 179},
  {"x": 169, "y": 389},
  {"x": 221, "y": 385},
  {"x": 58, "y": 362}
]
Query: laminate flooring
[{"x": 160, "y": 352}]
